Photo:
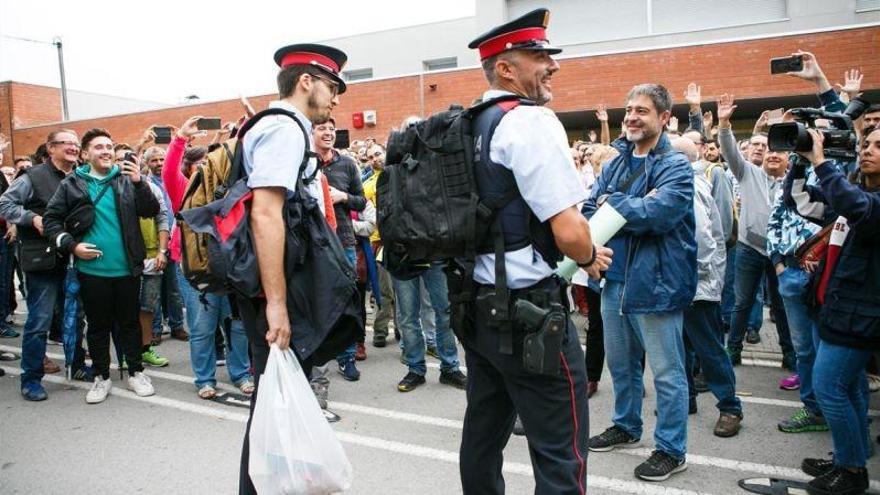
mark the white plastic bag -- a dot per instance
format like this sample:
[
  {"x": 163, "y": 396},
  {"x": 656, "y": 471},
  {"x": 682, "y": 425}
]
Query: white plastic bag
[{"x": 293, "y": 450}]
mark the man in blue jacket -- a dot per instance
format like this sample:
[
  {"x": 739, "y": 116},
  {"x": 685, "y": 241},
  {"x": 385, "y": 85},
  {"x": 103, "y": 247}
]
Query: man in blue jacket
[{"x": 652, "y": 278}]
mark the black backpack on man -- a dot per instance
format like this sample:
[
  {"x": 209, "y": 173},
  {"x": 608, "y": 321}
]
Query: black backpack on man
[{"x": 429, "y": 206}]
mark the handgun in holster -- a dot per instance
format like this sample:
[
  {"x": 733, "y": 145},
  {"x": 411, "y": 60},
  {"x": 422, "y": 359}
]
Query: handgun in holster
[{"x": 545, "y": 330}]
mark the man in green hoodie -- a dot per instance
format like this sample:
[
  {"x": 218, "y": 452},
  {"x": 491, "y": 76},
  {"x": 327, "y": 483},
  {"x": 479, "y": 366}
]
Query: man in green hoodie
[{"x": 94, "y": 215}]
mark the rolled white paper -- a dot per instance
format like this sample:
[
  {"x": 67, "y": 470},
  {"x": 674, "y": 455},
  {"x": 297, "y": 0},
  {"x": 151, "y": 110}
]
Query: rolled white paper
[{"x": 604, "y": 224}]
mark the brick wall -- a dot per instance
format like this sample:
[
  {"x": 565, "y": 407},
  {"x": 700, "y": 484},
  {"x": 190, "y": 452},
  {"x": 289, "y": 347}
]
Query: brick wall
[
  {"x": 741, "y": 68},
  {"x": 6, "y": 116}
]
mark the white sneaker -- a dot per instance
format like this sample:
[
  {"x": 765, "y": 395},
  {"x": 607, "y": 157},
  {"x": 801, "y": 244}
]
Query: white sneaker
[
  {"x": 873, "y": 383},
  {"x": 99, "y": 391},
  {"x": 141, "y": 384}
]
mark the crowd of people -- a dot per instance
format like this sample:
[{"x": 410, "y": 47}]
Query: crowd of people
[{"x": 714, "y": 219}]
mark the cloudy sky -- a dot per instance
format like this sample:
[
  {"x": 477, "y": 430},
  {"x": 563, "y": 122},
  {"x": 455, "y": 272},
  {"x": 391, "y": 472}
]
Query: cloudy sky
[{"x": 163, "y": 50}]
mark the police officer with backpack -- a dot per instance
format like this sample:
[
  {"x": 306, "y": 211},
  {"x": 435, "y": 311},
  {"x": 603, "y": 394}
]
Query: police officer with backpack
[
  {"x": 522, "y": 351},
  {"x": 280, "y": 170}
]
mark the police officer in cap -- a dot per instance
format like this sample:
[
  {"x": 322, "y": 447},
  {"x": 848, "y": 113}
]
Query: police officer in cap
[
  {"x": 309, "y": 86},
  {"x": 523, "y": 353}
]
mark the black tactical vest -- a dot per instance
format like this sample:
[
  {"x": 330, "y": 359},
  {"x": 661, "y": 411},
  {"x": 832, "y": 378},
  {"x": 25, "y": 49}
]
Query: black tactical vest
[{"x": 519, "y": 224}]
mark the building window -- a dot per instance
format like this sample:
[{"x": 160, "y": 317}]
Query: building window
[
  {"x": 577, "y": 22},
  {"x": 867, "y": 5},
  {"x": 681, "y": 16},
  {"x": 440, "y": 64},
  {"x": 357, "y": 74}
]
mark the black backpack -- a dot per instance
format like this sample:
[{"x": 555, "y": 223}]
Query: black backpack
[{"x": 427, "y": 201}]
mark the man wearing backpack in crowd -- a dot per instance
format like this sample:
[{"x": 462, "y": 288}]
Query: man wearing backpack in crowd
[
  {"x": 205, "y": 312},
  {"x": 347, "y": 195},
  {"x": 110, "y": 253},
  {"x": 522, "y": 155},
  {"x": 308, "y": 86},
  {"x": 652, "y": 280},
  {"x": 24, "y": 205}
]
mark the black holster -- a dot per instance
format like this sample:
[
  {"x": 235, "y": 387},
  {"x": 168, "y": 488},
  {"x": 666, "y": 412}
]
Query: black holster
[
  {"x": 537, "y": 323},
  {"x": 545, "y": 331}
]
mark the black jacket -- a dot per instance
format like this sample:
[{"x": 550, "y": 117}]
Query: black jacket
[
  {"x": 850, "y": 315},
  {"x": 132, "y": 201},
  {"x": 343, "y": 174}
]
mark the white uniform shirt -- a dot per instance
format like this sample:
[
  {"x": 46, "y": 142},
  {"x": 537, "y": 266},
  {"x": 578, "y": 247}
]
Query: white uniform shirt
[
  {"x": 531, "y": 142},
  {"x": 273, "y": 151}
]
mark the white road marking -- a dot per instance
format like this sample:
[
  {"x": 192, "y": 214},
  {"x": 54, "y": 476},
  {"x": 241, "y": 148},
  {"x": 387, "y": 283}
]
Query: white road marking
[
  {"x": 428, "y": 420},
  {"x": 732, "y": 464},
  {"x": 593, "y": 481}
]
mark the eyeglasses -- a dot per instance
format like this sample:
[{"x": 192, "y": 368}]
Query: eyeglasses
[
  {"x": 64, "y": 143},
  {"x": 334, "y": 86}
]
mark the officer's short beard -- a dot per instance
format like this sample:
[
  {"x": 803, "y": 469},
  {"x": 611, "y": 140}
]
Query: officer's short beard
[{"x": 315, "y": 109}]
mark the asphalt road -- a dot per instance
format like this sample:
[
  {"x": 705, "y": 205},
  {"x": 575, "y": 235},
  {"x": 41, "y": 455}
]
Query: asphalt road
[{"x": 397, "y": 443}]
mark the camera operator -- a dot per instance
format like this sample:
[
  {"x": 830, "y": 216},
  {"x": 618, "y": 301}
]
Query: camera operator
[
  {"x": 847, "y": 293},
  {"x": 830, "y": 100}
]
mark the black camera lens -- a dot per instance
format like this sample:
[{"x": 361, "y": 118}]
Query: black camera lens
[{"x": 789, "y": 136}]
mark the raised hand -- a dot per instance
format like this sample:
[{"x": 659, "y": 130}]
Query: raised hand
[
  {"x": 601, "y": 113},
  {"x": 708, "y": 119},
  {"x": 725, "y": 108},
  {"x": 189, "y": 128},
  {"x": 692, "y": 95},
  {"x": 763, "y": 119},
  {"x": 811, "y": 70},
  {"x": 852, "y": 83}
]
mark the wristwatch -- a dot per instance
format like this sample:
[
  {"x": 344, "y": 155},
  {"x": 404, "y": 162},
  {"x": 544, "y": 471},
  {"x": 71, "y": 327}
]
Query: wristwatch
[{"x": 589, "y": 263}]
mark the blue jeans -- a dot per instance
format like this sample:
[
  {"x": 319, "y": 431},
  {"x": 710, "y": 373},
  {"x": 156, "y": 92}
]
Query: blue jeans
[
  {"x": 408, "y": 307},
  {"x": 428, "y": 318},
  {"x": 348, "y": 354},
  {"x": 751, "y": 266},
  {"x": 703, "y": 337},
  {"x": 171, "y": 300},
  {"x": 842, "y": 391},
  {"x": 45, "y": 290},
  {"x": 728, "y": 297},
  {"x": 793, "y": 286},
  {"x": 202, "y": 348},
  {"x": 659, "y": 335},
  {"x": 190, "y": 300}
]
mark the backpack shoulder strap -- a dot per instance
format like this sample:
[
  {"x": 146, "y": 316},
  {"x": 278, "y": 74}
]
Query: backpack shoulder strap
[
  {"x": 507, "y": 102},
  {"x": 237, "y": 170}
]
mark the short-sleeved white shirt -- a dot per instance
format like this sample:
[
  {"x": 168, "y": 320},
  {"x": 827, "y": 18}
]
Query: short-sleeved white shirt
[
  {"x": 531, "y": 142},
  {"x": 273, "y": 151}
]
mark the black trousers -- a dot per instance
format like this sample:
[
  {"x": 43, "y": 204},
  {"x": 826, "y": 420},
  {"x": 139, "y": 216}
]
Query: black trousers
[
  {"x": 553, "y": 410},
  {"x": 110, "y": 301},
  {"x": 595, "y": 337},
  {"x": 253, "y": 317}
]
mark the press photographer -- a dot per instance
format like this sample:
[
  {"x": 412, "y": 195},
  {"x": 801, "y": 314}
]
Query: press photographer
[{"x": 847, "y": 292}]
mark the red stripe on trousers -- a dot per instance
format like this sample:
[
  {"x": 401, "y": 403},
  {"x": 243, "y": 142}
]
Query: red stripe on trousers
[{"x": 577, "y": 453}]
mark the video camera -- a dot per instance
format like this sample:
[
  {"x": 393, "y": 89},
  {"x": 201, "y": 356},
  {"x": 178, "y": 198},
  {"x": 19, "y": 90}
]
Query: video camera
[{"x": 839, "y": 138}]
